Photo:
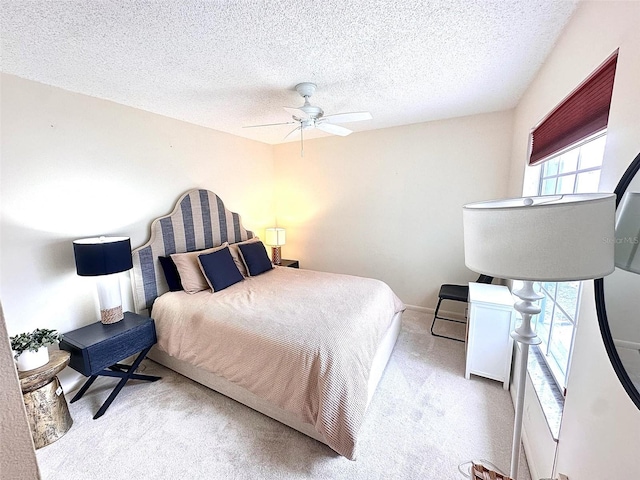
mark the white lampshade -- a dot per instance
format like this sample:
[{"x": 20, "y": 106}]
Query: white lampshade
[
  {"x": 628, "y": 234},
  {"x": 275, "y": 237},
  {"x": 550, "y": 238}
]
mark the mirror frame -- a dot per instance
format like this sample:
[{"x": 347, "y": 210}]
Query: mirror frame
[{"x": 603, "y": 321}]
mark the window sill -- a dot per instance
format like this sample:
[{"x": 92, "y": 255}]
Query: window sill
[{"x": 549, "y": 395}]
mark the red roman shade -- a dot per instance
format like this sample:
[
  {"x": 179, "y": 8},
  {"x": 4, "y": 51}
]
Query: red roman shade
[{"x": 584, "y": 112}]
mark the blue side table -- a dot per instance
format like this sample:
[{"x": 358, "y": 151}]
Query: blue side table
[{"x": 96, "y": 350}]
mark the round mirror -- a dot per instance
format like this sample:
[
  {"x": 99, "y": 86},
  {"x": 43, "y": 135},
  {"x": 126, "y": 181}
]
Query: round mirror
[{"x": 618, "y": 295}]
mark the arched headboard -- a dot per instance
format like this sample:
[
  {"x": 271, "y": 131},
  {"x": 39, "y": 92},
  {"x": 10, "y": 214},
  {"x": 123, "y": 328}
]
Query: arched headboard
[{"x": 198, "y": 221}]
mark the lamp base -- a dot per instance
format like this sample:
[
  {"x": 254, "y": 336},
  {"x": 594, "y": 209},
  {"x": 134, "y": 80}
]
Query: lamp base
[
  {"x": 525, "y": 336},
  {"x": 110, "y": 298},
  {"x": 111, "y": 315},
  {"x": 276, "y": 258}
]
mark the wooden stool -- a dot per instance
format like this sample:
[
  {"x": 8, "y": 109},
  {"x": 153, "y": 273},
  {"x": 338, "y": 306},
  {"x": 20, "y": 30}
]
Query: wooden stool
[{"x": 47, "y": 408}]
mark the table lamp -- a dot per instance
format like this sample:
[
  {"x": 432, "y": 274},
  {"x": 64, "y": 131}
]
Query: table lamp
[
  {"x": 551, "y": 238},
  {"x": 275, "y": 238},
  {"x": 104, "y": 258},
  {"x": 628, "y": 234}
]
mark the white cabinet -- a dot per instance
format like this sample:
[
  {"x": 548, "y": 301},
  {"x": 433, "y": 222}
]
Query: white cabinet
[{"x": 489, "y": 345}]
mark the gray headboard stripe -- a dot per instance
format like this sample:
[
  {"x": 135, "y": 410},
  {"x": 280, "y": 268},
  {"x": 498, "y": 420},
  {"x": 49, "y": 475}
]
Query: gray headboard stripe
[
  {"x": 167, "y": 235},
  {"x": 236, "y": 224},
  {"x": 206, "y": 219},
  {"x": 222, "y": 218},
  {"x": 199, "y": 220},
  {"x": 149, "y": 276},
  {"x": 187, "y": 218}
]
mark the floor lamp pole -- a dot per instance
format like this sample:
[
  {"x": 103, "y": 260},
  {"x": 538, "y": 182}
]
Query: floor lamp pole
[{"x": 527, "y": 307}]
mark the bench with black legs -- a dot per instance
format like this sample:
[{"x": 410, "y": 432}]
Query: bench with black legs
[{"x": 454, "y": 293}]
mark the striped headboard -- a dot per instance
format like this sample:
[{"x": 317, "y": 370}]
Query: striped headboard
[{"x": 199, "y": 220}]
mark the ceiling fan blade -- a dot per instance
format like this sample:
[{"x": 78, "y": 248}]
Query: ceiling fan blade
[
  {"x": 334, "y": 129},
  {"x": 269, "y": 124},
  {"x": 296, "y": 112},
  {"x": 348, "y": 117},
  {"x": 291, "y": 133}
]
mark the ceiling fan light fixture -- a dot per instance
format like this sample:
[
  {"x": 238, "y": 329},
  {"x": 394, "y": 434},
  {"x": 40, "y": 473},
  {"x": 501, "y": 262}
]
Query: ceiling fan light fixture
[
  {"x": 309, "y": 117},
  {"x": 306, "y": 89}
]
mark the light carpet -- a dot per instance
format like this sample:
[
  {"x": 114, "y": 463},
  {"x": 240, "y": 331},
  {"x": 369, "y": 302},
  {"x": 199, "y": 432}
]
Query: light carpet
[{"x": 424, "y": 420}]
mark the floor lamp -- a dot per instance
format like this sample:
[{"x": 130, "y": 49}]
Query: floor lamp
[{"x": 552, "y": 238}]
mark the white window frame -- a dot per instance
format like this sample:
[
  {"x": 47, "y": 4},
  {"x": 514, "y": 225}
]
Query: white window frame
[{"x": 546, "y": 346}]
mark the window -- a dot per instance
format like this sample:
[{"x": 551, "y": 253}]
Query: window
[{"x": 576, "y": 170}]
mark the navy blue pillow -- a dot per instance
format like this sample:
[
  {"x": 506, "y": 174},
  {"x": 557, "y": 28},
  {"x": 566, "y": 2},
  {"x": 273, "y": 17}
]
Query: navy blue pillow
[
  {"x": 171, "y": 274},
  {"x": 219, "y": 269},
  {"x": 255, "y": 258}
]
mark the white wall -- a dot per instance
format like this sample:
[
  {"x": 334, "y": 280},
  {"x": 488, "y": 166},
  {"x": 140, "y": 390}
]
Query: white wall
[
  {"x": 76, "y": 166},
  {"x": 18, "y": 459},
  {"x": 388, "y": 203},
  {"x": 600, "y": 433}
]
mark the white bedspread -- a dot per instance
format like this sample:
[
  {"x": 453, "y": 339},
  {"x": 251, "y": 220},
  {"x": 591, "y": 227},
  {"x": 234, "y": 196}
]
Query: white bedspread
[{"x": 303, "y": 340}]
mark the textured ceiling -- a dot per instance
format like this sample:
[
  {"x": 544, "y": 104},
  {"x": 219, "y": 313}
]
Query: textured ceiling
[{"x": 226, "y": 64}]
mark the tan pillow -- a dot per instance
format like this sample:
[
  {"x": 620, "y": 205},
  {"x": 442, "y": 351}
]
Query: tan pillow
[
  {"x": 237, "y": 257},
  {"x": 188, "y": 267}
]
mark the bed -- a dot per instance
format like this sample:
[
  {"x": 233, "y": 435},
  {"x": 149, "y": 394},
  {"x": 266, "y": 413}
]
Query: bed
[{"x": 303, "y": 347}]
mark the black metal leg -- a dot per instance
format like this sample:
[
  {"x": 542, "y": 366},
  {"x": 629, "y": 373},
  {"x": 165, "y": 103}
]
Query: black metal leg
[
  {"x": 119, "y": 370},
  {"x": 84, "y": 388},
  {"x": 119, "y": 367},
  {"x": 137, "y": 361},
  {"x": 146, "y": 378},
  {"x": 111, "y": 398},
  {"x": 127, "y": 373},
  {"x": 436, "y": 317}
]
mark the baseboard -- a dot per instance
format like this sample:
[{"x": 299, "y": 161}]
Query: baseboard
[
  {"x": 431, "y": 311},
  {"x": 419, "y": 309},
  {"x": 71, "y": 381}
]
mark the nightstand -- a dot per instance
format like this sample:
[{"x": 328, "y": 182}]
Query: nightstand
[
  {"x": 97, "y": 348},
  {"x": 489, "y": 345},
  {"x": 289, "y": 263}
]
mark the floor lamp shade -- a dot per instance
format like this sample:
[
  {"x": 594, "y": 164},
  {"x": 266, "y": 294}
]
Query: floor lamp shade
[
  {"x": 628, "y": 234},
  {"x": 104, "y": 258},
  {"x": 275, "y": 237},
  {"x": 551, "y": 238}
]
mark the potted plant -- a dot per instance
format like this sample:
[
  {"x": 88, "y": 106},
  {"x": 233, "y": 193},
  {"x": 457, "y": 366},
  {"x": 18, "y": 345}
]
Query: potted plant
[{"x": 30, "y": 349}]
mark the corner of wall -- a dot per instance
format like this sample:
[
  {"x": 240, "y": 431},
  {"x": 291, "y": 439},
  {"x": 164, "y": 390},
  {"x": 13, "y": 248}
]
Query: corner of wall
[{"x": 18, "y": 459}]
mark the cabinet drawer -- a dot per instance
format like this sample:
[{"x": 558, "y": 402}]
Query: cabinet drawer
[
  {"x": 120, "y": 347},
  {"x": 99, "y": 346},
  {"x": 489, "y": 345}
]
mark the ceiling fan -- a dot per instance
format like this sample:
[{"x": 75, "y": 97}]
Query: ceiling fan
[{"x": 311, "y": 116}]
